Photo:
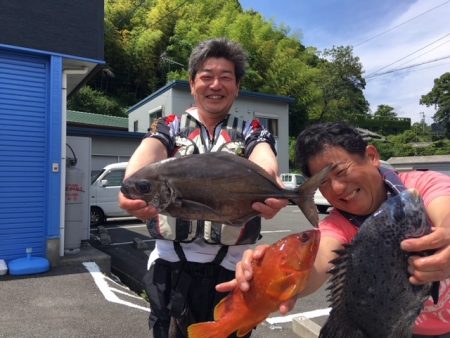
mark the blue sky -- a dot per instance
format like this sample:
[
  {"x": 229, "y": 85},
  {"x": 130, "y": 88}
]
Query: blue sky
[{"x": 386, "y": 35}]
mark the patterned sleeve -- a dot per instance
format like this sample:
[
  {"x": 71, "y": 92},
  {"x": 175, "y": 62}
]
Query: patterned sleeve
[
  {"x": 255, "y": 133},
  {"x": 165, "y": 129}
]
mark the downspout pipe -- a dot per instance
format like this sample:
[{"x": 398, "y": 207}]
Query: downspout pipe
[{"x": 62, "y": 217}]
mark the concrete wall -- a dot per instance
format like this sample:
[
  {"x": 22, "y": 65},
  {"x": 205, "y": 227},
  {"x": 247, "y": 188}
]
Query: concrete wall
[{"x": 107, "y": 150}]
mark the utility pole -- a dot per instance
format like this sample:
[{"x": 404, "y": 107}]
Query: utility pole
[{"x": 423, "y": 122}]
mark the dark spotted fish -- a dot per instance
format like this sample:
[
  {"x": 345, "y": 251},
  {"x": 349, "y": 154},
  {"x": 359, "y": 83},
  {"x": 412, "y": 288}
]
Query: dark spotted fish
[
  {"x": 369, "y": 289},
  {"x": 217, "y": 186}
]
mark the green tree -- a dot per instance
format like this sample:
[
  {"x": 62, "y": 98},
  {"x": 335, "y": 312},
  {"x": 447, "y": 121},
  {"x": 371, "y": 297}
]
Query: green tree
[
  {"x": 342, "y": 86},
  {"x": 96, "y": 102},
  {"x": 439, "y": 97},
  {"x": 385, "y": 112}
]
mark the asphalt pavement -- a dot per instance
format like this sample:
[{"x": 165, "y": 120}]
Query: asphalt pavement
[
  {"x": 97, "y": 292},
  {"x": 74, "y": 299}
]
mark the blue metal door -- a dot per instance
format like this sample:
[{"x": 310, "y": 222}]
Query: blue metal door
[{"x": 23, "y": 154}]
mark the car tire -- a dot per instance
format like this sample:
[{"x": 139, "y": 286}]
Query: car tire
[
  {"x": 97, "y": 216},
  {"x": 322, "y": 208}
]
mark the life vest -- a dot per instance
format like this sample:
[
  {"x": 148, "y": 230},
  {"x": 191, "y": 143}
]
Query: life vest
[{"x": 192, "y": 138}]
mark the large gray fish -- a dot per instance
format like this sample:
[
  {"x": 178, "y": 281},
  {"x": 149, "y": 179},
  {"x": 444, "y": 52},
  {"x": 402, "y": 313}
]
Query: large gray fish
[
  {"x": 370, "y": 292},
  {"x": 217, "y": 186}
]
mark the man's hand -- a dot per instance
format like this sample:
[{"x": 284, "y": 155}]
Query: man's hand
[
  {"x": 435, "y": 267},
  {"x": 137, "y": 208},
  {"x": 270, "y": 207},
  {"x": 430, "y": 268},
  {"x": 149, "y": 151}
]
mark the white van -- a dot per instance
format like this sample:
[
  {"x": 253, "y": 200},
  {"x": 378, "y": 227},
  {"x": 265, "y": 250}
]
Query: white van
[
  {"x": 105, "y": 187},
  {"x": 292, "y": 181}
]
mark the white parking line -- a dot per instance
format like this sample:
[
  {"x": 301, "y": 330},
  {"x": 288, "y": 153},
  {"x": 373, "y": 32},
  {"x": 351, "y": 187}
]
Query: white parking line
[
  {"x": 110, "y": 295},
  {"x": 100, "y": 281},
  {"x": 274, "y": 231},
  {"x": 289, "y": 318}
]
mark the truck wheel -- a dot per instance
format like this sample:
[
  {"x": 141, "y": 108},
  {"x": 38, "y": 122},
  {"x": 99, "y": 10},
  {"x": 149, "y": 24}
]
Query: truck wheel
[{"x": 97, "y": 216}]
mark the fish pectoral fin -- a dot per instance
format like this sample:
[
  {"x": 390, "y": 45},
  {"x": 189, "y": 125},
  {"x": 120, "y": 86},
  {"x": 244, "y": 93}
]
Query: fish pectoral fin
[
  {"x": 283, "y": 288},
  {"x": 196, "y": 206},
  {"x": 223, "y": 307}
]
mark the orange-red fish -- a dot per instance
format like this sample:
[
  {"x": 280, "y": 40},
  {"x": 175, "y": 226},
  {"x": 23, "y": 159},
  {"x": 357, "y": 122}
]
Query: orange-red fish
[{"x": 277, "y": 277}]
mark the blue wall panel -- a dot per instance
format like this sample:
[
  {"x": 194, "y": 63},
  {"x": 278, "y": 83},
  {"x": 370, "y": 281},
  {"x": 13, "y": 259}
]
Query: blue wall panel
[
  {"x": 24, "y": 83},
  {"x": 54, "y": 148}
]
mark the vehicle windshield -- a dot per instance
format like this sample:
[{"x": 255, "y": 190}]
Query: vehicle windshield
[
  {"x": 297, "y": 178},
  {"x": 286, "y": 178},
  {"x": 95, "y": 174},
  {"x": 300, "y": 179}
]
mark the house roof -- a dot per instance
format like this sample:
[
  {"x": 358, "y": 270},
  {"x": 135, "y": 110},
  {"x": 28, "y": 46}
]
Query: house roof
[
  {"x": 370, "y": 135},
  {"x": 96, "y": 120},
  {"x": 420, "y": 159},
  {"x": 183, "y": 84}
]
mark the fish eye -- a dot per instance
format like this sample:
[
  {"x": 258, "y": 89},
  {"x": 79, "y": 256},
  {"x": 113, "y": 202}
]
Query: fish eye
[
  {"x": 143, "y": 186},
  {"x": 304, "y": 237}
]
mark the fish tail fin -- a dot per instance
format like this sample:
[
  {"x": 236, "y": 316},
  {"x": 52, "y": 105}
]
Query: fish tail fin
[
  {"x": 305, "y": 198},
  {"x": 206, "y": 330},
  {"x": 338, "y": 327},
  {"x": 308, "y": 207}
]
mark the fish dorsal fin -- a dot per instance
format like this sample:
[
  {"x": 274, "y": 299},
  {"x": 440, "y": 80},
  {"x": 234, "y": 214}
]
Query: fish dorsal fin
[
  {"x": 338, "y": 274},
  {"x": 339, "y": 325},
  {"x": 245, "y": 163},
  {"x": 283, "y": 288}
]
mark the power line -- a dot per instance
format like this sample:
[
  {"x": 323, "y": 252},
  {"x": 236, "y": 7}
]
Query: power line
[
  {"x": 407, "y": 67},
  {"x": 170, "y": 12},
  {"x": 418, "y": 50},
  {"x": 418, "y": 56},
  {"x": 400, "y": 24}
]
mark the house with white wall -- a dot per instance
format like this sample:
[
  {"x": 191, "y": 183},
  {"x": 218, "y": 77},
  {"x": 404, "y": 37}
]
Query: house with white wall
[{"x": 175, "y": 98}]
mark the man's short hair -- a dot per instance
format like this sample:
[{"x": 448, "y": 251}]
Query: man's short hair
[
  {"x": 218, "y": 48},
  {"x": 314, "y": 139}
]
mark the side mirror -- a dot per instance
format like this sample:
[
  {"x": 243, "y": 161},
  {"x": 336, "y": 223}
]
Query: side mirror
[{"x": 103, "y": 183}]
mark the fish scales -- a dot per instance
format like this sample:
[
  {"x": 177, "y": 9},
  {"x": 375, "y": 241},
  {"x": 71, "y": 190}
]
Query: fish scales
[
  {"x": 217, "y": 186},
  {"x": 278, "y": 276},
  {"x": 370, "y": 293}
]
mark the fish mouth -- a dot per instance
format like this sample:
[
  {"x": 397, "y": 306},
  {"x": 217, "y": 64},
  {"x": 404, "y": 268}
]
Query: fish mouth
[
  {"x": 124, "y": 190},
  {"x": 129, "y": 192}
]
